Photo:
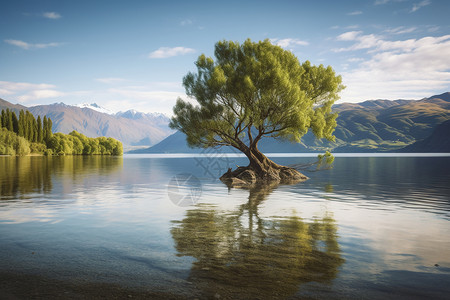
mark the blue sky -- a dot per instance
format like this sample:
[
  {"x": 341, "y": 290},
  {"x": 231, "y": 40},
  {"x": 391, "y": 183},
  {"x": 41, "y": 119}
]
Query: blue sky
[{"x": 134, "y": 54}]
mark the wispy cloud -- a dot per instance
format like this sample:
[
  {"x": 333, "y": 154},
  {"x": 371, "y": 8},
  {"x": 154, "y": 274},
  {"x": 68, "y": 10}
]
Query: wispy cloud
[
  {"x": 40, "y": 94},
  {"x": 417, "y": 6},
  {"x": 143, "y": 97},
  {"x": 380, "y": 2},
  {"x": 26, "y": 92},
  {"x": 349, "y": 36},
  {"x": 355, "y": 59},
  {"x": 397, "y": 68},
  {"x": 186, "y": 22},
  {"x": 374, "y": 43},
  {"x": 361, "y": 41},
  {"x": 51, "y": 15},
  {"x": 433, "y": 28},
  {"x": 289, "y": 42},
  {"x": 146, "y": 97},
  {"x": 401, "y": 30},
  {"x": 355, "y": 13},
  {"x": 349, "y": 27},
  {"x": 165, "y": 52},
  {"x": 28, "y": 46}
]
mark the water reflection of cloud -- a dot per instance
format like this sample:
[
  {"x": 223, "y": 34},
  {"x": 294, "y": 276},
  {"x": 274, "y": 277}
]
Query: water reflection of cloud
[{"x": 25, "y": 215}]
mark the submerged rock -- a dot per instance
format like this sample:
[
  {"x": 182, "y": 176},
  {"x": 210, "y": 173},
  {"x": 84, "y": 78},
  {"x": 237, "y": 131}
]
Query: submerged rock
[{"x": 246, "y": 176}]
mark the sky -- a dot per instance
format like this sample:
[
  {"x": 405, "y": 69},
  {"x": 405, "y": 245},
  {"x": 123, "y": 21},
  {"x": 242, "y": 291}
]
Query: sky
[{"x": 133, "y": 54}]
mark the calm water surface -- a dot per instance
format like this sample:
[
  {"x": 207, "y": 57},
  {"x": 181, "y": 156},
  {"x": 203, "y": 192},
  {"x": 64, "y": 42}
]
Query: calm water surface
[{"x": 370, "y": 228}]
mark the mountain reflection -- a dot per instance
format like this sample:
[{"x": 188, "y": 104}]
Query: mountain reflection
[
  {"x": 21, "y": 176},
  {"x": 239, "y": 254}
]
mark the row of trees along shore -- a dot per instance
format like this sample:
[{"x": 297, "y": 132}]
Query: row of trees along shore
[{"x": 25, "y": 134}]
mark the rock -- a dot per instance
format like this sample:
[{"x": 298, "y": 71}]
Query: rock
[
  {"x": 288, "y": 174},
  {"x": 246, "y": 176}
]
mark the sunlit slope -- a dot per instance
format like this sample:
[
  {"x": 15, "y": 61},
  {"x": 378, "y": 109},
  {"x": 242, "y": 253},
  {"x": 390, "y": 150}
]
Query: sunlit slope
[{"x": 370, "y": 126}]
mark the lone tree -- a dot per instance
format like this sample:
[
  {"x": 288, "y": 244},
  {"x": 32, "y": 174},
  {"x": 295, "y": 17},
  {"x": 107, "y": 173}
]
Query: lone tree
[{"x": 255, "y": 90}]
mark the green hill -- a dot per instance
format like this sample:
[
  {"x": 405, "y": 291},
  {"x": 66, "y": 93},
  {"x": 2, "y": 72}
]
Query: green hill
[
  {"x": 438, "y": 141},
  {"x": 370, "y": 126}
]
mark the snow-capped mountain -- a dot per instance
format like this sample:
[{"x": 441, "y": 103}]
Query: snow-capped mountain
[
  {"x": 135, "y": 115},
  {"x": 132, "y": 128},
  {"x": 96, "y": 107}
]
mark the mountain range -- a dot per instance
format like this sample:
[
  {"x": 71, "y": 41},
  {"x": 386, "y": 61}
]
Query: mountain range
[
  {"x": 438, "y": 141},
  {"x": 370, "y": 126},
  {"x": 132, "y": 128}
]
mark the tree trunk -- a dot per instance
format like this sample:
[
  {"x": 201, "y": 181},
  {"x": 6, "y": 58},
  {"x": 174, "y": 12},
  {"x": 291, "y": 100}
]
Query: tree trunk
[
  {"x": 262, "y": 165},
  {"x": 260, "y": 169}
]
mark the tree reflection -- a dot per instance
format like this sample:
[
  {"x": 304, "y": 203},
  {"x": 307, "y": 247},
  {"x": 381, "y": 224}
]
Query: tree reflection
[
  {"x": 239, "y": 254},
  {"x": 20, "y": 176}
]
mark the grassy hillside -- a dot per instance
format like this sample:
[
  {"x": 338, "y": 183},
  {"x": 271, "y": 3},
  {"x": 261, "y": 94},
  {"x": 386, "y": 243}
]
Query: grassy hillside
[
  {"x": 370, "y": 126},
  {"x": 438, "y": 141},
  {"x": 388, "y": 125}
]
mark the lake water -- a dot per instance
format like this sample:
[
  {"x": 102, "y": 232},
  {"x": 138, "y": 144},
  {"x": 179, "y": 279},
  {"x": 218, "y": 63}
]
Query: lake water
[{"x": 369, "y": 228}]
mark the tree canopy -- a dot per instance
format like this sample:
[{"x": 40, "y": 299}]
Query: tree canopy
[
  {"x": 254, "y": 90},
  {"x": 256, "y": 86}
]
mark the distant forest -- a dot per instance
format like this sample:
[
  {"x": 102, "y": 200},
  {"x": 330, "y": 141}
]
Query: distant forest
[{"x": 25, "y": 134}]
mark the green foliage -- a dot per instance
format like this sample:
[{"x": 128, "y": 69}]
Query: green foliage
[
  {"x": 76, "y": 143},
  {"x": 254, "y": 90},
  {"x": 21, "y": 131},
  {"x": 48, "y": 152},
  {"x": 12, "y": 144},
  {"x": 25, "y": 126},
  {"x": 325, "y": 160},
  {"x": 38, "y": 148},
  {"x": 40, "y": 137},
  {"x": 26, "y": 134}
]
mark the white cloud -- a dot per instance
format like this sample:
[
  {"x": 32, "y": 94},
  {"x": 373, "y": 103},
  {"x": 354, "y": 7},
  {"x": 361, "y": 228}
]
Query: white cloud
[
  {"x": 186, "y": 22},
  {"x": 401, "y": 30},
  {"x": 148, "y": 97},
  {"x": 23, "y": 86},
  {"x": 411, "y": 68},
  {"x": 289, "y": 42},
  {"x": 355, "y": 59},
  {"x": 433, "y": 28},
  {"x": 18, "y": 43},
  {"x": 51, "y": 15},
  {"x": 349, "y": 27},
  {"x": 26, "y": 92},
  {"x": 349, "y": 36},
  {"x": 39, "y": 94},
  {"x": 417, "y": 6},
  {"x": 165, "y": 52},
  {"x": 355, "y": 13},
  {"x": 362, "y": 41},
  {"x": 377, "y": 43},
  {"x": 139, "y": 93},
  {"x": 380, "y": 2},
  {"x": 144, "y": 98},
  {"x": 27, "y": 46}
]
